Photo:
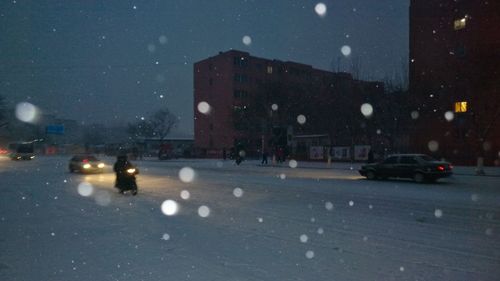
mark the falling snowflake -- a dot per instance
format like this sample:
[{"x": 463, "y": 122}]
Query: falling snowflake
[
  {"x": 247, "y": 40},
  {"x": 163, "y": 39},
  {"x": 203, "y": 211},
  {"x": 329, "y": 206},
  {"x": 320, "y": 9},
  {"x": 151, "y": 48},
  {"x": 169, "y": 207},
  {"x": 85, "y": 189},
  {"x": 238, "y": 192},
  {"x": 367, "y": 109},
  {"x": 433, "y": 145},
  {"x": 26, "y": 112},
  {"x": 301, "y": 119},
  {"x": 304, "y": 238},
  {"x": 204, "y": 107},
  {"x": 438, "y": 213},
  {"x": 474, "y": 197},
  {"x": 185, "y": 194},
  {"x": 345, "y": 50},
  {"x": 309, "y": 254},
  {"x": 186, "y": 174},
  {"x": 449, "y": 115}
]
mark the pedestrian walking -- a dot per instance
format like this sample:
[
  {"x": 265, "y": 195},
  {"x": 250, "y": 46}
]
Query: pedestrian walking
[{"x": 264, "y": 157}]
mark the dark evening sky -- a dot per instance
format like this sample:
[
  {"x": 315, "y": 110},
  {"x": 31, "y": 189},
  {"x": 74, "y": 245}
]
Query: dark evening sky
[{"x": 113, "y": 61}]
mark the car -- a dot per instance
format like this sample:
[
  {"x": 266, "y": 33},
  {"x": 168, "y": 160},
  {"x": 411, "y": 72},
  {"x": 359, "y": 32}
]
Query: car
[
  {"x": 419, "y": 167},
  {"x": 86, "y": 164},
  {"x": 22, "y": 151}
]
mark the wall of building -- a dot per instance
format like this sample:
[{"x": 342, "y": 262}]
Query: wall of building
[
  {"x": 241, "y": 89},
  {"x": 453, "y": 58}
]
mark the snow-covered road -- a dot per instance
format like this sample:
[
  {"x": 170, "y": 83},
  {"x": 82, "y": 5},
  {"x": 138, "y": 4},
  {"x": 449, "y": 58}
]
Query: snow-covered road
[{"x": 288, "y": 224}]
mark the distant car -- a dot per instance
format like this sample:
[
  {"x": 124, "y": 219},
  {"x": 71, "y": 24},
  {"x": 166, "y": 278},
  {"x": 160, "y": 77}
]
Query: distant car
[
  {"x": 22, "y": 151},
  {"x": 85, "y": 164},
  {"x": 419, "y": 167}
]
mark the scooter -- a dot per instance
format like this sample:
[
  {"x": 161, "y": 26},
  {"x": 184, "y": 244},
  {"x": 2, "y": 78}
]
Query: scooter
[{"x": 125, "y": 180}]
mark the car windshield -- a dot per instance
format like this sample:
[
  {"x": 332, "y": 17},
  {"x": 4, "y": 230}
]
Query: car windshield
[
  {"x": 427, "y": 158},
  {"x": 271, "y": 140},
  {"x": 90, "y": 158}
]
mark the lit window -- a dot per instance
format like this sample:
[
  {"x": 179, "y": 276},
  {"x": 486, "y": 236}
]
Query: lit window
[
  {"x": 269, "y": 69},
  {"x": 460, "y": 106},
  {"x": 460, "y": 23}
]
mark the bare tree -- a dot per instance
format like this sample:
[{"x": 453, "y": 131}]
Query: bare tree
[{"x": 158, "y": 125}]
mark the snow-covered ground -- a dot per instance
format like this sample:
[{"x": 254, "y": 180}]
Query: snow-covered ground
[{"x": 264, "y": 223}]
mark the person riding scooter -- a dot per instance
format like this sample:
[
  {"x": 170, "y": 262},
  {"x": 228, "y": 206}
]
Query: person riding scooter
[{"x": 125, "y": 175}]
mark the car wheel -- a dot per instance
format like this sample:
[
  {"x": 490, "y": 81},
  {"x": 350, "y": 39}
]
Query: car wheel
[
  {"x": 419, "y": 177},
  {"x": 371, "y": 175}
]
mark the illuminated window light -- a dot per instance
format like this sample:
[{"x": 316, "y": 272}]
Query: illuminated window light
[
  {"x": 460, "y": 106},
  {"x": 460, "y": 23}
]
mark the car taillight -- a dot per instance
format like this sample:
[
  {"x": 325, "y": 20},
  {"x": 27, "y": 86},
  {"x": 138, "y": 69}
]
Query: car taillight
[
  {"x": 85, "y": 160},
  {"x": 440, "y": 168}
]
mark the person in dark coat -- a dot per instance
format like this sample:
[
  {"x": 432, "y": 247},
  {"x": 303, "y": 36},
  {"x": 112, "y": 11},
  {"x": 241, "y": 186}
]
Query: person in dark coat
[
  {"x": 125, "y": 175},
  {"x": 264, "y": 158}
]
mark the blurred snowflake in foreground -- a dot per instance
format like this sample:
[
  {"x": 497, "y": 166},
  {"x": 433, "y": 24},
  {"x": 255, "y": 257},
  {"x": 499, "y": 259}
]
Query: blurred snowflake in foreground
[{"x": 320, "y": 9}]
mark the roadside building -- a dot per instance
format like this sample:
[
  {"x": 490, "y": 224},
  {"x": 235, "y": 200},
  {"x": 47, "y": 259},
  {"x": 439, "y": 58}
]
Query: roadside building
[
  {"x": 254, "y": 104},
  {"x": 455, "y": 79}
]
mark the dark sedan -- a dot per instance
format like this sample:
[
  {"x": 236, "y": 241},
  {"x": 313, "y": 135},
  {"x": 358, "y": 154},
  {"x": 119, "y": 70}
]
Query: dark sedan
[{"x": 419, "y": 167}]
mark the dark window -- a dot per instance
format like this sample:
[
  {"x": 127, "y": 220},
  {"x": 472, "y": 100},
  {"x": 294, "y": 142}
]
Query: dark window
[
  {"x": 427, "y": 158},
  {"x": 460, "y": 51},
  {"x": 210, "y": 81},
  {"x": 408, "y": 160},
  {"x": 240, "y": 78},
  {"x": 391, "y": 160},
  {"x": 240, "y": 94},
  {"x": 210, "y": 67}
]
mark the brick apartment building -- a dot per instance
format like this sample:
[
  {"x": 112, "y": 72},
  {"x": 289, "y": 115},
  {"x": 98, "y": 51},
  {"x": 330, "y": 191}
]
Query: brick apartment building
[
  {"x": 455, "y": 78},
  {"x": 256, "y": 103}
]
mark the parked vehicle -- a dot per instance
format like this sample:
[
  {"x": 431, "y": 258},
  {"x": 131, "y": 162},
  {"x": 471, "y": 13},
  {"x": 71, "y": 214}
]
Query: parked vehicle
[
  {"x": 86, "y": 164},
  {"x": 419, "y": 167}
]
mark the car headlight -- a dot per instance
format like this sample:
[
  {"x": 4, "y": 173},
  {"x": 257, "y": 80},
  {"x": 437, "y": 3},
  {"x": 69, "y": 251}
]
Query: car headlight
[
  {"x": 32, "y": 157},
  {"x": 86, "y": 166},
  {"x": 131, "y": 171},
  {"x": 101, "y": 165}
]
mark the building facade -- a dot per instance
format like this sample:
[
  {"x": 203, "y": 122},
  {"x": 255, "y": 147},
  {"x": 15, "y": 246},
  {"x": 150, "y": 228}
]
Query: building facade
[
  {"x": 242, "y": 101},
  {"x": 455, "y": 79}
]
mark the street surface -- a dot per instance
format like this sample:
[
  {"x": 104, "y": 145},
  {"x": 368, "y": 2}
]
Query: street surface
[{"x": 263, "y": 223}]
